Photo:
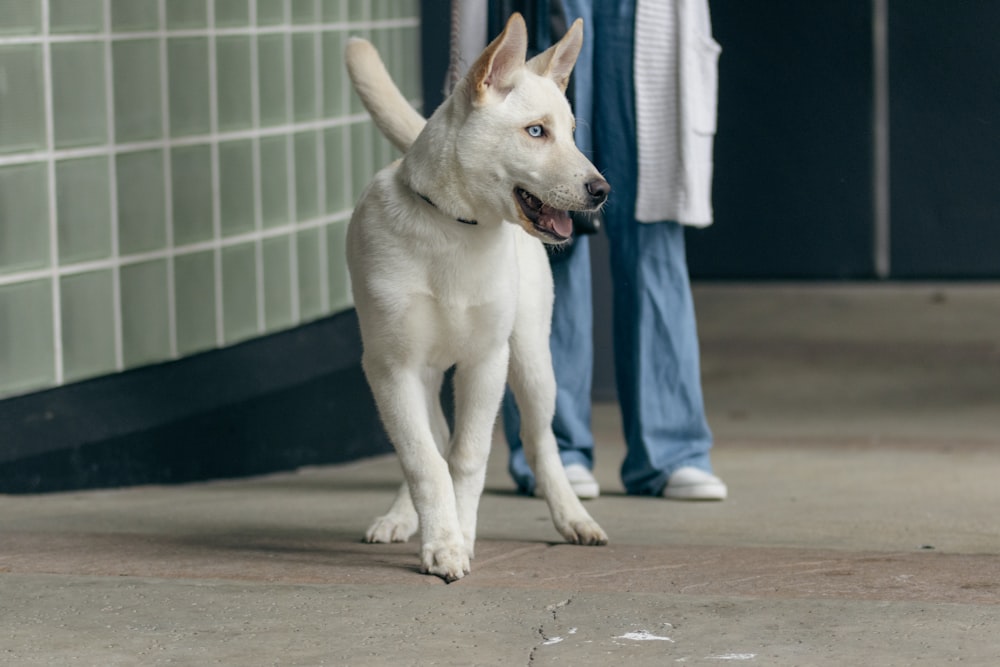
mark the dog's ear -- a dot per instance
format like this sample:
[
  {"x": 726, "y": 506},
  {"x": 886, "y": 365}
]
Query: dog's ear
[
  {"x": 557, "y": 61},
  {"x": 493, "y": 72}
]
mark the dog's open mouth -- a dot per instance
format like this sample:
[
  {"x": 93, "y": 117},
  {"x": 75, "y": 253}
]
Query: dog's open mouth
[{"x": 552, "y": 223}]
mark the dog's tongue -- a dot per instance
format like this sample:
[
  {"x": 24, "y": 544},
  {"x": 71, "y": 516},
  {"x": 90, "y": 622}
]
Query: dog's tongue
[{"x": 556, "y": 221}]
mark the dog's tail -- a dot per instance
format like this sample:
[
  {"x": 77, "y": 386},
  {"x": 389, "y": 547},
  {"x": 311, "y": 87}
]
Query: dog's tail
[{"x": 393, "y": 115}]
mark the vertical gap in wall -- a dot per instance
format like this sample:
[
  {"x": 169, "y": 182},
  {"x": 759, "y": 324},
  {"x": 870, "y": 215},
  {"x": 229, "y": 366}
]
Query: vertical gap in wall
[
  {"x": 50, "y": 168},
  {"x": 880, "y": 126},
  {"x": 167, "y": 181},
  {"x": 109, "y": 103}
]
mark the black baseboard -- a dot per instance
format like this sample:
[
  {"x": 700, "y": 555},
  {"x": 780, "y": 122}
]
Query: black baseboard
[{"x": 275, "y": 403}]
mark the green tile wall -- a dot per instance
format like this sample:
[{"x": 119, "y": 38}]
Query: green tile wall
[
  {"x": 339, "y": 280},
  {"x": 141, "y": 205},
  {"x": 22, "y": 98},
  {"x": 138, "y": 106},
  {"x": 187, "y": 14},
  {"x": 310, "y": 279},
  {"x": 335, "y": 11},
  {"x": 274, "y": 180},
  {"x": 27, "y": 353},
  {"x": 83, "y": 205},
  {"x": 305, "y": 12},
  {"x": 270, "y": 12},
  {"x": 191, "y": 193},
  {"x": 278, "y": 311},
  {"x": 334, "y": 78},
  {"x": 239, "y": 293},
  {"x": 194, "y": 290},
  {"x": 76, "y": 16},
  {"x": 24, "y": 214},
  {"x": 306, "y": 177},
  {"x": 236, "y": 186},
  {"x": 134, "y": 15},
  {"x": 337, "y": 160},
  {"x": 304, "y": 93},
  {"x": 234, "y": 87},
  {"x": 20, "y": 17},
  {"x": 272, "y": 78},
  {"x": 145, "y": 313},
  {"x": 79, "y": 102},
  {"x": 189, "y": 104},
  {"x": 232, "y": 13},
  {"x": 88, "y": 326},
  {"x": 177, "y": 175}
]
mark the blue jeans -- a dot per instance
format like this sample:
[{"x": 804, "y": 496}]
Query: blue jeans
[{"x": 657, "y": 370}]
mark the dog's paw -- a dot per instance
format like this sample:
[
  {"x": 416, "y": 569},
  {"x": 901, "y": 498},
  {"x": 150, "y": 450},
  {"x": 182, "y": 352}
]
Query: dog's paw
[
  {"x": 585, "y": 532},
  {"x": 448, "y": 561},
  {"x": 391, "y": 528}
]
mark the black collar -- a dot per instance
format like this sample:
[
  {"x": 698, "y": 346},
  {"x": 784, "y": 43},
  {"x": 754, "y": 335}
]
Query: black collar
[{"x": 462, "y": 220}]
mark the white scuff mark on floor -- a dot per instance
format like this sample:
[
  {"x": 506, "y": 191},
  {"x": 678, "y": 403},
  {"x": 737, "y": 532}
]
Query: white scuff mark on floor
[
  {"x": 572, "y": 631},
  {"x": 733, "y": 656},
  {"x": 552, "y": 640},
  {"x": 644, "y": 636}
]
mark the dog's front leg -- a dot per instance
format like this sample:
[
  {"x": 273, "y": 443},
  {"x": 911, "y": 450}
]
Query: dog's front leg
[
  {"x": 402, "y": 402},
  {"x": 534, "y": 386},
  {"x": 478, "y": 391}
]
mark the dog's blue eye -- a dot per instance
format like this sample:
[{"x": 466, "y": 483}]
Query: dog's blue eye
[{"x": 535, "y": 131}]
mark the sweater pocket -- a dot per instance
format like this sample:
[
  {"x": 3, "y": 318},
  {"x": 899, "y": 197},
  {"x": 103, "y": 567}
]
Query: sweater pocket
[{"x": 700, "y": 91}]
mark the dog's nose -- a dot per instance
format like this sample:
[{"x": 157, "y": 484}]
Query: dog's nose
[{"x": 598, "y": 190}]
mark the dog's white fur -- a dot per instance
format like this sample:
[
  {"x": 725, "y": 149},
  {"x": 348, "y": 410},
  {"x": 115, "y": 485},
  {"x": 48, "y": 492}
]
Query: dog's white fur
[{"x": 433, "y": 291}]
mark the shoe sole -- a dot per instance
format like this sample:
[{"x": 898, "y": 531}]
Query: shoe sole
[{"x": 696, "y": 492}]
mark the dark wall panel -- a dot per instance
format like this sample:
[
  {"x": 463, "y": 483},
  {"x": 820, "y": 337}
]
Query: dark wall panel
[
  {"x": 286, "y": 400},
  {"x": 945, "y": 137},
  {"x": 792, "y": 191}
]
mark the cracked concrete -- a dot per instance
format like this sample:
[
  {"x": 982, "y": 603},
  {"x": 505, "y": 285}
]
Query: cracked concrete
[{"x": 861, "y": 527}]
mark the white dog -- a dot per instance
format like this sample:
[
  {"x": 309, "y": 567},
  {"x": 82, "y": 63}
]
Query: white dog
[{"x": 441, "y": 279}]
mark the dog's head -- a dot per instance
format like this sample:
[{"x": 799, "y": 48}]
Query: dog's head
[{"x": 515, "y": 147}]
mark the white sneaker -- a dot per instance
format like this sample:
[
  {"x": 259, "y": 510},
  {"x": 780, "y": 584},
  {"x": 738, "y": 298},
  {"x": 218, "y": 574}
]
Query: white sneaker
[
  {"x": 584, "y": 485},
  {"x": 689, "y": 483}
]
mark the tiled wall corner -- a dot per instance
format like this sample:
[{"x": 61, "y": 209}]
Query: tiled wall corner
[{"x": 177, "y": 175}]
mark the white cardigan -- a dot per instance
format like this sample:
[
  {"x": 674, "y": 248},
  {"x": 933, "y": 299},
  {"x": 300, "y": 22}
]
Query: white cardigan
[{"x": 676, "y": 89}]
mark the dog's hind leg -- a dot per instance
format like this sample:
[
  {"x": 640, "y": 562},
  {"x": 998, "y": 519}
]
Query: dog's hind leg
[
  {"x": 534, "y": 386},
  {"x": 400, "y": 522}
]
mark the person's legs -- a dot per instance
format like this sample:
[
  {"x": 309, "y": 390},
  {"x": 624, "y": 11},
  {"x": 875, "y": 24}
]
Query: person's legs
[
  {"x": 657, "y": 357},
  {"x": 656, "y": 345}
]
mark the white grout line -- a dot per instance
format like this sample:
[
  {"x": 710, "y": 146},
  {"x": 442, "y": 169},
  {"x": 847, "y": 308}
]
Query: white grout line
[
  {"x": 293, "y": 246},
  {"x": 164, "y": 253},
  {"x": 50, "y": 169},
  {"x": 258, "y": 202},
  {"x": 213, "y": 120},
  {"x": 116, "y": 283},
  {"x": 319, "y": 143},
  {"x": 167, "y": 184},
  {"x": 384, "y": 24},
  {"x": 176, "y": 142}
]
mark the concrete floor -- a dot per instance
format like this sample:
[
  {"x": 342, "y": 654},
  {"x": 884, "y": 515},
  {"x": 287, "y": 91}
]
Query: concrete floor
[{"x": 858, "y": 429}]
